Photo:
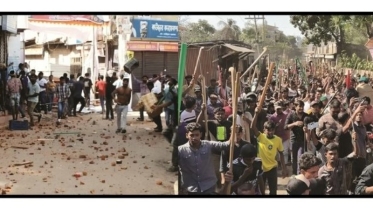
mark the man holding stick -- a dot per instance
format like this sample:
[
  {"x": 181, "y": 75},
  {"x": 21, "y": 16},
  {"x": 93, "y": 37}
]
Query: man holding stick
[
  {"x": 196, "y": 165},
  {"x": 268, "y": 146}
]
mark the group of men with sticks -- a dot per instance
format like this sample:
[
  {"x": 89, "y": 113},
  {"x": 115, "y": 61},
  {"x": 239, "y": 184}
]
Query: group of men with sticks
[{"x": 312, "y": 125}]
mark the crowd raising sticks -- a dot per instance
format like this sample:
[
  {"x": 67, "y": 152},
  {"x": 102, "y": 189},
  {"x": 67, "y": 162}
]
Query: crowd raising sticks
[{"x": 314, "y": 129}]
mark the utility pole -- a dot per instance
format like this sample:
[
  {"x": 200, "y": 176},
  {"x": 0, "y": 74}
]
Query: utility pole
[{"x": 255, "y": 18}]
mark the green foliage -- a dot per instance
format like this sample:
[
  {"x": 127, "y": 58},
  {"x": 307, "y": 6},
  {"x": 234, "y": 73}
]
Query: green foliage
[
  {"x": 364, "y": 23},
  {"x": 354, "y": 62},
  {"x": 321, "y": 28},
  {"x": 197, "y": 32},
  {"x": 229, "y": 31}
]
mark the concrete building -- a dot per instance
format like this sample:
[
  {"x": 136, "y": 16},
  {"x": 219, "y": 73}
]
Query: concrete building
[
  {"x": 58, "y": 44},
  {"x": 326, "y": 53},
  {"x": 154, "y": 41},
  {"x": 11, "y": 53}
]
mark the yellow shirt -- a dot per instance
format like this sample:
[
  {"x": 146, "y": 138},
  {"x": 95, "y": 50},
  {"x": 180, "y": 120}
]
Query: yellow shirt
[{"x": 268, "y": 149}]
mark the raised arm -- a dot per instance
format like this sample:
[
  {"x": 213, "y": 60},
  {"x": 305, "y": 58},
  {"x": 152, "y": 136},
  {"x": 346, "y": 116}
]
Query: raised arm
[{"x": 254, "y": 127}]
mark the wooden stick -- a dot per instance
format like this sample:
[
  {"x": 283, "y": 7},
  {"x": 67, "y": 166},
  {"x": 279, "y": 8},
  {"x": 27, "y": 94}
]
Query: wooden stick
[
  {"x": 266, "y": 86},
  {"x": 235, "y": 78},
  {"x": 67, "y": 133},
  {"x": 197, "y": 62},
  {"x": 254, "y": 74},
  {"x": 253, "y": 64},
  {"x": 22, "y": 164},
  {"x": 204, "y": 97},
  {"x": 19, "y": 147}
]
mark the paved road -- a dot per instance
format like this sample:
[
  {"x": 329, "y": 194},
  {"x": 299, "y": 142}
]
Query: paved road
[{"x": 92, "y": 154}]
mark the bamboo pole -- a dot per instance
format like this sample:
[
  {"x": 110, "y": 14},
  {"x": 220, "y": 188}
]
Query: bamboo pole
[
  {"x": 266, "y": 86},
  {"x": 197, "y": 62},
  {"x": 253, "y": 64},
  {"x": 203, "y": 87},
  {"x": 235, "y": 78}
]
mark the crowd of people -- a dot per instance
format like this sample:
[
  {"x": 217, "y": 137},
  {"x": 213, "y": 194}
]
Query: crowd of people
[
  {"x": 315, "y": 130},
  {"x": 36, "y": 94}
]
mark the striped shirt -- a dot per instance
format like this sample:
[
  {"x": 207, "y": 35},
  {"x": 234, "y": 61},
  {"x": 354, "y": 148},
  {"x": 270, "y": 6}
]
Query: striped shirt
[
  {"x": 63, "y": 92},
  {"x": 188, "y": 117}
]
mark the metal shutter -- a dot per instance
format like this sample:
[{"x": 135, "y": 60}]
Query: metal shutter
[
  {"x": 153, "y": 63},
  {"x": 172, "y": 63},
  {"x": 139, "y": 71}
]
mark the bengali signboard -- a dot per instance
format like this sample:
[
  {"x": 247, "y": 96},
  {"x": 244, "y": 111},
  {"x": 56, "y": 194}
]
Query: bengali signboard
[
  {"x": 142, "y": 46},
  {"x": 169, "y": 47},
  {"x": 155, "y": 29}
]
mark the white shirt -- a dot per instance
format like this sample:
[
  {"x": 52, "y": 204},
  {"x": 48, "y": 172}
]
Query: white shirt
[
  {"x": 156, "y": 90},
  {"x": 42, "y": 82},
  {"x": 307, "y": 106},
  {"x": 32, "y": 90},
  {"x": 158, "y": 85},
  {"x": 118, "y": 83},
  {"x": 292, "y": 93}
]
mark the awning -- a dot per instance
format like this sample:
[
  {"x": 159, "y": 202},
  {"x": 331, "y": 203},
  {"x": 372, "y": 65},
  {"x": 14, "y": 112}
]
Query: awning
[
  {"x": 238, "y": 49},
  {"x": 34, "y": 51}
]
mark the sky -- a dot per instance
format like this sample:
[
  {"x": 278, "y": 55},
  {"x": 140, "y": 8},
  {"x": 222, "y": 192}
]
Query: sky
[{"x": 281, "y": 21}]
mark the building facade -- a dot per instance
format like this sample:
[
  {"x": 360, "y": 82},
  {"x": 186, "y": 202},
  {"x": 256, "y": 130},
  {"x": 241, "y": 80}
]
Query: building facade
[
  {"x": 58, "y": 44},
  {"x": 154, "y": 42}
]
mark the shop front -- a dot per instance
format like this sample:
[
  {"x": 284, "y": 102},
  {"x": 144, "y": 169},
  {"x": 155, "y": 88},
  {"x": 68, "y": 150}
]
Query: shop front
[
  {"x": 155, "y": 57},
  {"x": 155, "y": 45}
]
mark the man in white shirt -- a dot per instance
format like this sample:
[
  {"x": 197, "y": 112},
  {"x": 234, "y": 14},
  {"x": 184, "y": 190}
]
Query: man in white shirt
[
  {"x": 311, "y": 98},
  {"x": 157, "y": 83},
  {"x": 119, "y": 82},
  {"x": 42, "y": 82},
  {"x": 33, "y": 99}
]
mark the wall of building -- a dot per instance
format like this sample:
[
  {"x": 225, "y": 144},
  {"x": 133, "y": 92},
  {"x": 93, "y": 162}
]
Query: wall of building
[
  {"x": 56, "y": 60},
  {"x": 15, "y": 51}
]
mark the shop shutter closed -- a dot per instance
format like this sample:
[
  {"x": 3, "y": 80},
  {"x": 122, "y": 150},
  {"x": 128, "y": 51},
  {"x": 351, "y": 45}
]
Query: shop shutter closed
[
  {"x": 172, "y": 63},
  {"x": 139, "y": 71},
  {"x": 153, "y": 63}
]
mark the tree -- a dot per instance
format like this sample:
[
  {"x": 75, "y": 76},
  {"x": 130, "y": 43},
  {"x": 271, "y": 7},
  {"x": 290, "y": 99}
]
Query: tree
[
  {"x": 230, "y": 30},
  {"x": 322, "y": 28},
  {"x": 248, "y": 35},
  {"x": 197, "y": 32},
  {"x": 364, "y": 22}
]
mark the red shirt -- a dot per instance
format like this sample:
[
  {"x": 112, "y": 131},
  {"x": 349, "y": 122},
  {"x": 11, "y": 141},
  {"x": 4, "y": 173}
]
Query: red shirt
[
  {"x": 228, "y": 111},
  {"x": 101, "y": 86}
]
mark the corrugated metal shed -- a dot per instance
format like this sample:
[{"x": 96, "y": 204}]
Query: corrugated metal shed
[{"x": 210, "y": 54}]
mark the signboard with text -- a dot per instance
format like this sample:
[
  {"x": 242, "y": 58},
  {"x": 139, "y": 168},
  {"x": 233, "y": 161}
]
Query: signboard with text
[
  {"x": 138, "y": 46},
  {"x": 168, "y": 47},
  {"x": 155, "y": 29}
]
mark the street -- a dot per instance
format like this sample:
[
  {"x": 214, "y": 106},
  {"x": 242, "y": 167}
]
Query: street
[{"x": 41, "y": 161}]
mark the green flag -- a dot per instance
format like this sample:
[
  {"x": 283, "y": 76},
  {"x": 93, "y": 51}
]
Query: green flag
[{"x": 180, "y": 76}]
